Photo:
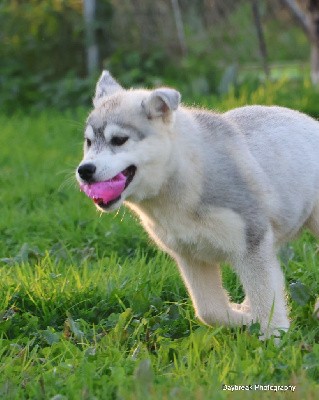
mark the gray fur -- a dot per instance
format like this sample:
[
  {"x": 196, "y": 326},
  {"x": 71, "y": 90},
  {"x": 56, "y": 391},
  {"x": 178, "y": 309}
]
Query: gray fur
[
  {"x": 106, "y": 86},
  {"x": 276, "y": 158},
  {"x": 223, "y": 183},
  {"x": 160, "y": 102},
  {"x": 134, "y": 132},
  {"x": 212, "y": 187}
]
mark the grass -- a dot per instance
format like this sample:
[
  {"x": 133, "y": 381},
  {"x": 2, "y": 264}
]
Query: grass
[{"x": 90, "y": 309}]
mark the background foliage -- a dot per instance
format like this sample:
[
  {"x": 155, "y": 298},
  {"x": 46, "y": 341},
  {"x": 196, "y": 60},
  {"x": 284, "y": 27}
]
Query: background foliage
[{"x": 43, "y": 46}]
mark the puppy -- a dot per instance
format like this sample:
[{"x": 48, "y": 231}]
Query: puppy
[{"x": 208, "y": 188}]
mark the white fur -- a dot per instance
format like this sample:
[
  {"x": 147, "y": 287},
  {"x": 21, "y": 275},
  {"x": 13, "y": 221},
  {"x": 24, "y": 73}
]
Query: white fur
[{"x": 214, "y": 187}]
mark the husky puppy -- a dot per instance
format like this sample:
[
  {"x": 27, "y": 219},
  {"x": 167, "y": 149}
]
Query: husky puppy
[{"x": 208, "y": 188}]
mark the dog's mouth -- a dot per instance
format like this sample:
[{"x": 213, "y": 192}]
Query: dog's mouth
[{"x": 106, "y": 193}]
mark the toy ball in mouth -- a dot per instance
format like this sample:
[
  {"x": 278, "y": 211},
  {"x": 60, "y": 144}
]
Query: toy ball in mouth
[{"x": 106, "y": 191}]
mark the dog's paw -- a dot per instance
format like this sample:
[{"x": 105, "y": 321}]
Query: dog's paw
[
  {"x": 274, "y": 330},
  {"x": 238, "y": 317},
  {"x": 243, "y": 307}
]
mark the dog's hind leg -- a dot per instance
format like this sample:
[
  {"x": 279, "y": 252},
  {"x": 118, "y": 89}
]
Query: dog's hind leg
[
  {"x": 263, "y": 282},
  {"x": 204, "y": 283}
]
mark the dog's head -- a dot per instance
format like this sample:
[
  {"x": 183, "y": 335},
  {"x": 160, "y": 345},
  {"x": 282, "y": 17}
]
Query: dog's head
[{"x": 128, "y": 142}]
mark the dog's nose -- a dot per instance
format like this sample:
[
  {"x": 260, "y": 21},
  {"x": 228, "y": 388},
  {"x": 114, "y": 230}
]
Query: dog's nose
[{"x": 86, "y": 171}]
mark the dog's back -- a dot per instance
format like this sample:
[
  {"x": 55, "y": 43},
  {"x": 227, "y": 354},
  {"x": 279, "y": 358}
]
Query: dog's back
[{"x": 285, "y": 144}]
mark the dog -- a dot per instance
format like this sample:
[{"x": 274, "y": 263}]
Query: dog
[{"x": 208, "y": 188}]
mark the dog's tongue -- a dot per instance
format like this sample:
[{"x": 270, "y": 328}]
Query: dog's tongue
[{"x": 105, "y": 191}]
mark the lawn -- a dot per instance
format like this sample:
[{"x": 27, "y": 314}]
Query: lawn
[{"x": 90, "y": 309}]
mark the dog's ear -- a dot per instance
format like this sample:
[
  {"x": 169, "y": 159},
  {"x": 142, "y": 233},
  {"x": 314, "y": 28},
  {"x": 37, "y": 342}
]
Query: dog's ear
[
  {"x": 105, "y": 87},
  {"x": 161, "y": 102}
]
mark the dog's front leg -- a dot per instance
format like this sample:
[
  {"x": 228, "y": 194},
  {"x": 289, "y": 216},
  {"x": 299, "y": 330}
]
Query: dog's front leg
[
  {"x": 210, "y": 300},
  {"x": 263, "y": 281}
]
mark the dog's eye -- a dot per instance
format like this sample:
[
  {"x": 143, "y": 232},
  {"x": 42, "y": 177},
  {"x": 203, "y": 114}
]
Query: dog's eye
[
  {"x": 118, "y": 140},
  {"x": 88, "y": 142}
]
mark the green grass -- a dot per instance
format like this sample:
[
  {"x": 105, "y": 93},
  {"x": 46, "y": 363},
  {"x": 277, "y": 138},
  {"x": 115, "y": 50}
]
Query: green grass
[{"x": 90, "y": 309}]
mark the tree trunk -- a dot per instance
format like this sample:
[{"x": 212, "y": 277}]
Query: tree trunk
[
  {"x": 179, "y": 26},
  {"x": 313, "y": 7},
  {"x": 261, "y": 37},
  {"x": 309, "y": 21},
  {"x": 315, "y": 64},
  {"x": 92, "y": 54}
]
